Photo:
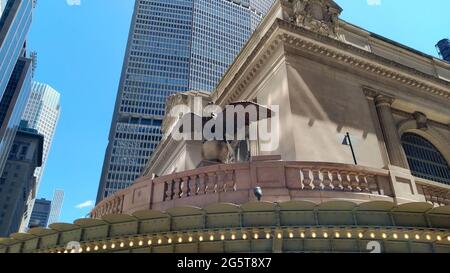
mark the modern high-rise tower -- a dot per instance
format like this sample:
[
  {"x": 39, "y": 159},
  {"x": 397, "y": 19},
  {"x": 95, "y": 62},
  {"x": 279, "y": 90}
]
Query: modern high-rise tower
[
  {"x": 15, "y": 69},
  {"x": 173, "y": 46},
  {"x": 2, "y": 6},
  {"x": 42, "y": 113},
  {"x": 55, "y": 211}
]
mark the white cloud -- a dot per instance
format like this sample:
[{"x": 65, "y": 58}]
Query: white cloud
[
  {"x": 374, "y": 2},
  {"x": 87, "y": 204},
  {"x": 73, "y": 2}
]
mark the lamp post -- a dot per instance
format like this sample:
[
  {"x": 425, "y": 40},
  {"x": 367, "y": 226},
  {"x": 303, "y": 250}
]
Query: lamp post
[{"x": 348, "y": 142}]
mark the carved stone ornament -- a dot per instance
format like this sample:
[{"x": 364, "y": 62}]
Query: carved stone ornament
[{"x": 321, "y": 16}]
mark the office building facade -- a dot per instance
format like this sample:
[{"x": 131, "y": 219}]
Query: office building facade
[
  {"x": 42, "y": 113},
  {"x": 18, "y": 182},
  {"x": 15, "y": 69},
  {"x": 2, "y": 6},
  {"x": 173, "y": 46},
  {"x": 41, "y": 213}
]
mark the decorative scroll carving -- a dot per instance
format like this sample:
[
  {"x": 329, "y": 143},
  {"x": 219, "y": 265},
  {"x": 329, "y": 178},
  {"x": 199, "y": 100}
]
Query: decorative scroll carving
[{"x": 321, "y": 16}]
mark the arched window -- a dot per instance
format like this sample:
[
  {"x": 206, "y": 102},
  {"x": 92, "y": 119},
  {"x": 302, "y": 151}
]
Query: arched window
[{"x": 424, "y": 159}]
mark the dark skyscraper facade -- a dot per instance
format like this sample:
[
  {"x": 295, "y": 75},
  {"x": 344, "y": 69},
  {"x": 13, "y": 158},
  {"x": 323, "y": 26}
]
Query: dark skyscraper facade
[
  {"x": 173, "y": 46},
  {"x": 41, "y": 213},
  {"x": 17, "y": 181}
]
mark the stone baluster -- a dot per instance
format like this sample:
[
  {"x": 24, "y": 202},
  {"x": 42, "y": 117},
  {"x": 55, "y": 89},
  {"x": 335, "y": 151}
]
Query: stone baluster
[
  {"x": 226, "y": 181},
  {"x": 335, "y": 180},
  {"x": 185, "y": 187},
  {"x": 345, "y": 181},
  {"x": 220, "y": 181},
  {"x": 306, "y": 179},
  {"x": 168, "y": 191},
  {"x": 201, "y": 184},
  {"x": 373, "y": 186},
  {"x": 316, "y": 180},
  {"x": 234, "y": 180},
  {"x": 363, "y": 185},
  {"x": 354, "y": 184},
  {"x": 177, "y": 188},
  {"x": 326, "y": 180},
  {"x": 210, "y": 183},
  {"x": 193, "y": 185}
]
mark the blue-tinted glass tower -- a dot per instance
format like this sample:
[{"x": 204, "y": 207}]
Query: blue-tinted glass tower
[
  {"x": 173, "y": 46},
  {"x": 15, "y": 69}
]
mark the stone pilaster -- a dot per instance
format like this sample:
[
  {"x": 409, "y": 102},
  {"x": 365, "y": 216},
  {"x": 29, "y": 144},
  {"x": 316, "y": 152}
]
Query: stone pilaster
[{"x": 394, "y": 148}]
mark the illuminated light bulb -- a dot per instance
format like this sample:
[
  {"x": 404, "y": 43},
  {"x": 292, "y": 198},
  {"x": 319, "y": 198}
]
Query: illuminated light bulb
[
  {"x": 141, "y": 243},
  {"x": 384, "y": 235},
  {"x": 200, "y": 238},
  {"x": 149, "y": 242},
  {"x": 65, "y": 251},
  {"x": 190, "y": 239},
  {"x": 395, "y": 236},
  {"x": 159, "y": 241},
  {"x": 406, "y": 236},
  {"x": 180, "y": 240},
  {"x": 222, "y": 237},
  {"x": 360, "y": 235},
  {"x": 372, "y": 235},
  {"x": 113, "y": 245},
  {"x": 417, "y": 237},
  {"x": 349, "y": 235},
  {"x": 233, "y": 237},
  {"x": 256, "y": 236},
  {"x": 72, "y": 251},
  {"x": 95, "y": 248},
  {"x": 131, "y": 244},
  {"x": 448, "y": 238},
  {"x": 169, "y": 241},
  {"x": 122, "y": 244},
  {"x": 302, "y": 234},
  {"x": 291, "y": 235},
  {"x": 325, "y": 235},
  {"x": 105, "y": 247},
  {"x": 428, "y": 237},
  {"x": 439, "y": 238},
  {"x": 88, "y": 249},
  {"x": 244, "y": 236},
  {"x": 211, "y": 238},
  {"x": 314, "y": 235},
  {"x": 267, "y": 235},
  {"x": 80, "y": 250},
  {"x": 58, "y": 251},
  {"x": 337, "y": 235},
  {"x": 279, "y": 236}
]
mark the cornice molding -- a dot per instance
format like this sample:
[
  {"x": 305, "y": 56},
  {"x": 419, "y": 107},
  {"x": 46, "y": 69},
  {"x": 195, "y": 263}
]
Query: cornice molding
[{"x": 338, "y": 51}]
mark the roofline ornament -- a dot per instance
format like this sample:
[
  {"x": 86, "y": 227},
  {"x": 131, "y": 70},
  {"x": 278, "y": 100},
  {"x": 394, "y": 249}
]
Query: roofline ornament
[{"x": 321, "y": 16}]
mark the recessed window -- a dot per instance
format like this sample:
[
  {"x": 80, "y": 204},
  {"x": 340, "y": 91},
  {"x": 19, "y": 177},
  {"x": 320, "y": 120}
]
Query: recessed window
[{"x": 425, "y": 160}]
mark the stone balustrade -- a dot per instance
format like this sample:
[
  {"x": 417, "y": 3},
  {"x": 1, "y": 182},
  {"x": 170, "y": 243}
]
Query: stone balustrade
[
  {"x": 435, "y": 193},
  {"x": 234, "y": 183}
]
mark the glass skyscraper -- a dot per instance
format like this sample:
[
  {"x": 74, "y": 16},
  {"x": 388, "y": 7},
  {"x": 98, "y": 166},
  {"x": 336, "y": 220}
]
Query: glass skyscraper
[
  {"x": 41, "y": 213},
  {"x": 42, "y": 113},
  {"x": 55, "y": 211},
  {"x": 173, "y": 46},
  {"x": 2, "y": 6},
  {"x": 15, "y": 69}
]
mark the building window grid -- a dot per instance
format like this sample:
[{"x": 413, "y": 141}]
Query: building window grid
[{"x": 425, "y": 160}]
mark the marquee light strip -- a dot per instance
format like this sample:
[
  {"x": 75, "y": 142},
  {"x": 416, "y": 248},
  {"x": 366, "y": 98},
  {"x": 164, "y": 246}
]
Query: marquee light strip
[{"x": 134, "y": 242}]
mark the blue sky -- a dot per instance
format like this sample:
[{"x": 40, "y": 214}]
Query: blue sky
[{"x": 80, "y": 53}]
